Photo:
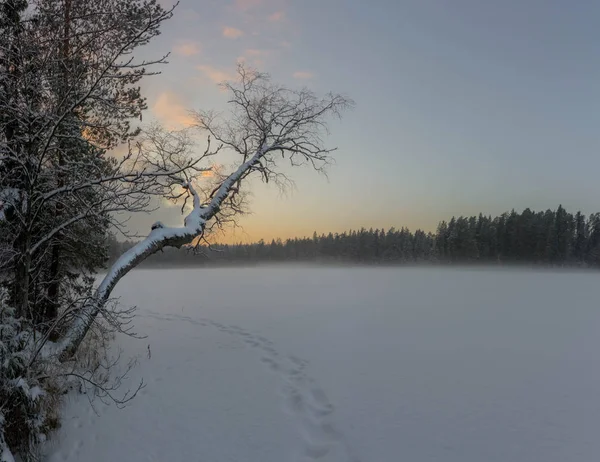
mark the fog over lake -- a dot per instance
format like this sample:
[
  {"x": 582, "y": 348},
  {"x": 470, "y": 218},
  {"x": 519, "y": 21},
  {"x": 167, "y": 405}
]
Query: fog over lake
[{"x": 293, "y": 363}]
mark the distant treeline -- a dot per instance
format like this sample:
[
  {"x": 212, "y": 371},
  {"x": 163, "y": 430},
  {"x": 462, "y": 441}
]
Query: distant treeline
[{"x": 555, "y": 238}]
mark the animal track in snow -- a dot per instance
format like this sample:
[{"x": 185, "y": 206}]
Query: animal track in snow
[
  {"x": 302, "y": 398},
  {"x": 271, "y": 363}
]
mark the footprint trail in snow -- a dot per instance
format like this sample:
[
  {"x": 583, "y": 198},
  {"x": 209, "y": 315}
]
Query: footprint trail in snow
[{"x": 301, "y": 396}]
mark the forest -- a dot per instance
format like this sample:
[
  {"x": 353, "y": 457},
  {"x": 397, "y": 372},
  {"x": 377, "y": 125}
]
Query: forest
[{"x": 556, "y": 238}]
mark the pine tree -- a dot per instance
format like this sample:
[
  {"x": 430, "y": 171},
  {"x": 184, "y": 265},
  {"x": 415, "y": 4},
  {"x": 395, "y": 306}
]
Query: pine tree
[
  {"x": 67, "y": 101},
  {"x": 580, "y": 237}
]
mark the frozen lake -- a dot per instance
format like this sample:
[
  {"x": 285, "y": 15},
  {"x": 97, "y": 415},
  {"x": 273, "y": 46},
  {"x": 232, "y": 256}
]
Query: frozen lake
[{"x": 309, "y": 364}]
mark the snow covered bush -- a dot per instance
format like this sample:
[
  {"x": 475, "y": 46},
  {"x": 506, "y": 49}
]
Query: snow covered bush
[
  {"x": 31, "y": 388},
  {"x": 22, "y": 416}
]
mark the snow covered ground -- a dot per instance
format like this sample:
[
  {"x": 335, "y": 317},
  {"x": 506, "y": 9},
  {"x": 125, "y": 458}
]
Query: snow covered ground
[{"x": 352, "y": 364}]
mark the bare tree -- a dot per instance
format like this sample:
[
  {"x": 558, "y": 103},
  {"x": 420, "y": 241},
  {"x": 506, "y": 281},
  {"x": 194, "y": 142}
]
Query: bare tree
[
  {"x": 69, "y": 95},
  {"x": 267, "y": 124}
]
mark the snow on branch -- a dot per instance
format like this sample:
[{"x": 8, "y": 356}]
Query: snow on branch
[{"x": 267, "y": 123}]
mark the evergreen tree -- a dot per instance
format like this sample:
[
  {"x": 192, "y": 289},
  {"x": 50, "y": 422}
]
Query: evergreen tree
[
  {"x": 579, "y": 238},
  {"x": 550, "y": 237},
  {"x": 67, "y": 100}
]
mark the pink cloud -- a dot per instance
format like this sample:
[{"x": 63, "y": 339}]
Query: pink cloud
[
  {"x": 303, "y": 75},
  {"x": 187, "y": 48},
  {"x": 232, "y": 32},
  {"x": 169, "y": 109},
  {"x": 277, "y": 16},
  {"x": 216, "y": 75}
]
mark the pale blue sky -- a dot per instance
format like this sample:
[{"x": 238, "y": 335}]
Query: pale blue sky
[{"x": 461, "y": 106}]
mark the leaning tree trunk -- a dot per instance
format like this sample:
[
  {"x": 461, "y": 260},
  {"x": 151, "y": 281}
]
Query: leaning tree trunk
[{"x": 159, "y": 237}]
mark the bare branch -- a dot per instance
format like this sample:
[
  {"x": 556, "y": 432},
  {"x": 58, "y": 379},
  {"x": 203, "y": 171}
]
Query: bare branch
[{"x": 267, "y": 123}]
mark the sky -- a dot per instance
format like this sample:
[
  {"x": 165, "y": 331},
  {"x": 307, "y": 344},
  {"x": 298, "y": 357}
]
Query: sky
[{"x": 462, "y": 106}]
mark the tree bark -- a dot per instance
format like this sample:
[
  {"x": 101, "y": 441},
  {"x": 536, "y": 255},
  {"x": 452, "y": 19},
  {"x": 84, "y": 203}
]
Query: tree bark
[{"x": 50, "y": 311}]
